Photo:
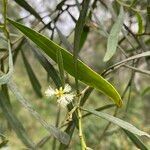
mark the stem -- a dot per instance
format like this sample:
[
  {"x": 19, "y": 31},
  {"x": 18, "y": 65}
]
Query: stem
[{"x": 83, "y": 144}]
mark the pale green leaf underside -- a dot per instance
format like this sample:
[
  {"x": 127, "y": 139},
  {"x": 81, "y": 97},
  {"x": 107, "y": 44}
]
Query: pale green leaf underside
[
  {"x": 114, "y": 36},
  {"x": 123, "y": 124}
]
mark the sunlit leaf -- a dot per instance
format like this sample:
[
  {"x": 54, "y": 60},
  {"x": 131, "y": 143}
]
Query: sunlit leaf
[
  {"x": 140, "y": 23},
  {"x": 85, "y": 74}
]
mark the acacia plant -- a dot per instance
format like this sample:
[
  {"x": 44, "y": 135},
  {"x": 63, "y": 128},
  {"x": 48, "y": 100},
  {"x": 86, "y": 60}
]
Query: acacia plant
[{"x": 87, "y": 63}]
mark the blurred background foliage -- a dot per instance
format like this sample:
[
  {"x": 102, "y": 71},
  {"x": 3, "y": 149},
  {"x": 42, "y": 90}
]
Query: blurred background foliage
[{"x": 57, "y": 19}]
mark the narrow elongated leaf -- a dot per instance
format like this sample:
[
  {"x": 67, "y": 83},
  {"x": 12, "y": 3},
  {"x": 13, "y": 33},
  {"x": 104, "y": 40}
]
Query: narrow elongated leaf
[
  {"x": 84, "y": 35},
  {"x": 64, "y": 40},
  {"x": 6, "y": 77},
  {"x": 48, "y": 67},
  {"x": 61, "y": 67},
  {"x": 138, "y": 143},
  {"x": 4, "y": 87},
  {"x": 80, "y": 25},
  {"x": 28, "y": 8},
  {"x": 61, "y": 136},
  {"x": 14, "y": 122},
  {"x": 85, "y": 74},
  {"x": 145, "y": 91},
  {"x": 33, "y": 79},
  {"x": 86, "y": 94},
  {"x": 70, "y": 130},
  {"x": 17, "y": 49},
  {"x": 140, "y": 23},
  {"x": 77, "y": 40},
  {"x": 123, "y": 124},
  {"x": 114, "y": 36},
  {"x": 133, "y": 2},
  {"x": 100, "y": 109},
  {"x": 43, "y": 141}
]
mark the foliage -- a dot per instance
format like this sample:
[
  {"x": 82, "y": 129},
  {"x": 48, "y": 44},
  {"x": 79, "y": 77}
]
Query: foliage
[{"x": 52, "y": 57}]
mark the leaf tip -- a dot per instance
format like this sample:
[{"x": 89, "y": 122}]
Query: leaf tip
[
  {"x": 120, "y": 103},
  {"x": 108, "y": 55},
  {"x": 105, "y": 59}
]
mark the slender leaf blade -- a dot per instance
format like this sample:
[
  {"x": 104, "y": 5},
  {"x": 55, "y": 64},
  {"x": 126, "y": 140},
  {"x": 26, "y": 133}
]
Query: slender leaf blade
[
  {"x": 145, "y": 91},
  {"x": 114, "y": 36},
  {"x": 61, "y": 67},
  {"x": 14, "y": 122},
  {"x": 133, "y": 2},
  {"x": 85, "y": 74},
  {"x": 70, "y": 130},
  {"x": 64, "y": 40},
  {"x": 6, "y": 77},
  {"x": 123, "y": 124},
  {"x": 86, "y": 93},
  {"x": 17, "y": 49},
  {"x": 137, "y": 142},
  {"x": 140, "y": 23},
  {"x": 28, "y": 8},
  {"x": 77, "y": 39},
  {"x": 84, "y": 35},
  {"x": 100, "y": 109},
  {"x": 80, "y": 26},
  {"x": 47, "y": 66},
  {"x": 33, "y": 79}
]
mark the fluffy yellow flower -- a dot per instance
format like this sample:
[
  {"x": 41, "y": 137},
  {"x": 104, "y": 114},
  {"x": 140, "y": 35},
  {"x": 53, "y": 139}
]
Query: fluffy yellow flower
[{"x": 63, "y": 95}]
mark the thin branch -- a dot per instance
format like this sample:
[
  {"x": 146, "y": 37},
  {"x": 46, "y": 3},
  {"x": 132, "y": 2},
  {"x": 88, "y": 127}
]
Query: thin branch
[{"x": 138, "y": 70}]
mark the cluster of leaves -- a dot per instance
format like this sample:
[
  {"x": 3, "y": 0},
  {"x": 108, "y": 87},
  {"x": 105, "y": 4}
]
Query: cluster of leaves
[{"x": 69, "y": 63}]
